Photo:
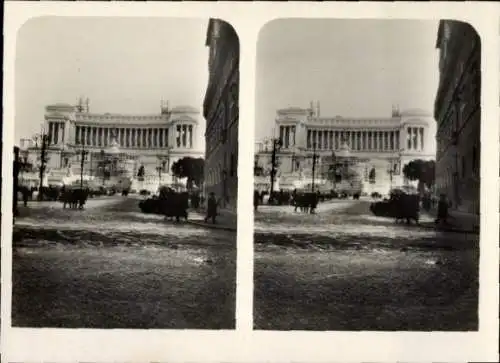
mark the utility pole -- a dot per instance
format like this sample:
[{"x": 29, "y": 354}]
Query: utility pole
[
  {"x": 43, "y": 161},
  {"x": 276, "y": 147},
  {"x": 313, "y": 166}
]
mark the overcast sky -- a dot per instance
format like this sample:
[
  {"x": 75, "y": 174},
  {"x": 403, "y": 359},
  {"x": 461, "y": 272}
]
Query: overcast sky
[
  {"x": 124, "y": 65},
  {"x": 353, "y": 67}
]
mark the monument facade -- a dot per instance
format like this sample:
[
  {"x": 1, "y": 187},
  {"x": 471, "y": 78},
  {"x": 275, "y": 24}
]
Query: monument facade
[
  {"x": 115, "y": 145},
  {"x": 374, "y": 149}
]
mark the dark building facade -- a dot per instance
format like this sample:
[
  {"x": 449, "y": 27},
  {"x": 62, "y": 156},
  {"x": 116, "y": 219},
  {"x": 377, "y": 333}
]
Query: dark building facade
[
  {"x": 221, "y": 111},
  {"x": 457, "y": 111}
]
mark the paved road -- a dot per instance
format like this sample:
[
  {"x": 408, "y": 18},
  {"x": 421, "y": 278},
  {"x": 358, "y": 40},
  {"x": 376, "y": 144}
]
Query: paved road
[
  {"x": 110, "y": 266},
  {"x": 345, "y": 269}
]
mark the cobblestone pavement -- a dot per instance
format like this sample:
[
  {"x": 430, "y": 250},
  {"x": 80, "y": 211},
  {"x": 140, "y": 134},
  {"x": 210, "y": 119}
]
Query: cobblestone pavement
[
  {"x": 345, "y": 269},
  {"x": 110, "y": 266}
]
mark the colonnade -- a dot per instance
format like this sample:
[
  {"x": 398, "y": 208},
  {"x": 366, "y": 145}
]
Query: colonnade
[
  {"x": 56, "y": 132},
  {"x": 287, "y": 136},
  {"x": 134, "y": 137},
  {"x": 357, "y": 140},
  {"x": 415, "y": 140}
]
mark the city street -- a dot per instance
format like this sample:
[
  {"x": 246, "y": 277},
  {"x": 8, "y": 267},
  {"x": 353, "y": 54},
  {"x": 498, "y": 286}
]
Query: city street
[
  {"x": 110, "y": 266},
  {"x": 345, "y": 269}
]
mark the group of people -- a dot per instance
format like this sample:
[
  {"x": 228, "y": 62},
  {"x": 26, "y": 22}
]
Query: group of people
[{"x": 304, "y": 201}]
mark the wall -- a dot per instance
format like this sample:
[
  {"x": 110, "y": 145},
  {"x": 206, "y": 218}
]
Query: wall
[
  {"x": 222, "y": 114},
  {"x": 458, "y": 115}
]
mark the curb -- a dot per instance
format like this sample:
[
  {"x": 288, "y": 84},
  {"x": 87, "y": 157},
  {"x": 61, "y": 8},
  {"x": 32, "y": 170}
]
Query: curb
[
  {"x": 449, "y": 229},
  {"x": 212, "y": 226}
]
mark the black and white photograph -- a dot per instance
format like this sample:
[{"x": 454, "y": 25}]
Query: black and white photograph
[
  {"x": 367, "y": 175},
  {"x": 125, "y": 173}
]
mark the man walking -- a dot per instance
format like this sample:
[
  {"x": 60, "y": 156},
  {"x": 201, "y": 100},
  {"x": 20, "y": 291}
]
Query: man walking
[
  {"x": 256, "y": 198},
  {"x": 211, "y": 208},
  {"x": 442, "y": 212}
]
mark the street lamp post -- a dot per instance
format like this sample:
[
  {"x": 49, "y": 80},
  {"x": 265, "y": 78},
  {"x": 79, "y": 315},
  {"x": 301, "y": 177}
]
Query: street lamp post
[
  {"x": 44, "y": 139},
  {"x": 83, "y": 153},
  {"x": 390, "y": 171},
  {"x": 276, "y": 147},
  {"x": 313, "y": 166}
]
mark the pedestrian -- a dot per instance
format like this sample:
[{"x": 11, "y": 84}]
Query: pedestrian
[
  {"x": 442, "y": 212},
  {"x": 211, "y": 208},
  {"x": 256, "y": 198},
  {"x": 25, "y": 196}
]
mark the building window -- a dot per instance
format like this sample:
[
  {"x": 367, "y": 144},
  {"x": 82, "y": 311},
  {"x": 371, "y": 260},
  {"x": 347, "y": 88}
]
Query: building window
[
  {"x": 408, "y": 138},
  {"x": 475, "y": 160}
]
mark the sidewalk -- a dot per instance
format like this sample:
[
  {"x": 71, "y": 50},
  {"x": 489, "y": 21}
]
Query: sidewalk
[
  {"x": 458, "y": 222},
  {"x": 327, "y": 206},
  {"x": 226, "y": 219}
]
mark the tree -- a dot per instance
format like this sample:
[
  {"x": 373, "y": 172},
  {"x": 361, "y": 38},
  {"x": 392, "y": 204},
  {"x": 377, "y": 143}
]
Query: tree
[
  {"x": 190, "y": 168},
  {"x": 421, "y": 170}
]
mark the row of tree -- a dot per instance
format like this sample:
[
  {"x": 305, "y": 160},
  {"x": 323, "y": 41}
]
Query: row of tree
[
  {"x": 187, "y": 167},
  {"x": 419, "y": 170}
]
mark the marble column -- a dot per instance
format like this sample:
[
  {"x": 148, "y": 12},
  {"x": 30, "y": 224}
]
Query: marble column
[
  {"x": 191, "y": 136},
  {"x": 82, "y": 135},
  {"x": 54, "y": 133},
  {"x": 414, "y": 138},
  {"x": 422, "y": 140}
]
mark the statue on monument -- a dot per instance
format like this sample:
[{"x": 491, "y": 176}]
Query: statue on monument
[{"x": 114, "y": 138}]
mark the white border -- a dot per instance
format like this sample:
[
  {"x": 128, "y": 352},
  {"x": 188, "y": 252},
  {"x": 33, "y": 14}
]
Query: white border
[{"x": 58, "y": 345}]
